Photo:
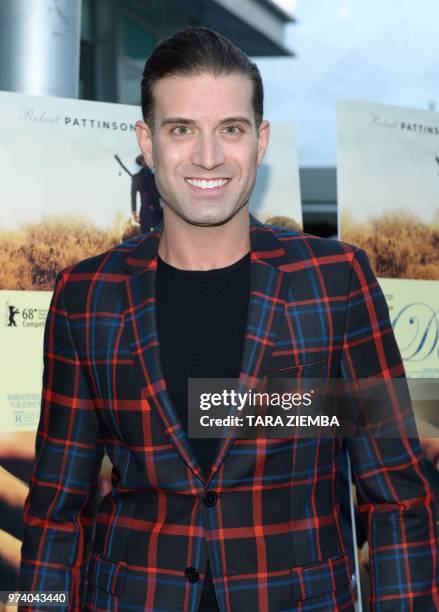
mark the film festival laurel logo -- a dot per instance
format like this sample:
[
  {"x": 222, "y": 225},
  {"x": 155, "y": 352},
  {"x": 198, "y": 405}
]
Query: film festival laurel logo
[
  {"x": 14, "y": 316},
  {"x": 11, "y": 314}
]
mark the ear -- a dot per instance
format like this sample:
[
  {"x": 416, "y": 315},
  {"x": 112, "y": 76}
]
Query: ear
[
  {"x": 263, "y": 136},
  {"x": 144, "y": 138}
]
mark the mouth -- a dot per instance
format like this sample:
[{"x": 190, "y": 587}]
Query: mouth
[{"x": 207, "y": 184}]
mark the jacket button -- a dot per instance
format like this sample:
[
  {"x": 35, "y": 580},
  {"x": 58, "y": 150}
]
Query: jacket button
[
  {"x": 191, "y": 574},
  {"x": 209, "y": 498}
]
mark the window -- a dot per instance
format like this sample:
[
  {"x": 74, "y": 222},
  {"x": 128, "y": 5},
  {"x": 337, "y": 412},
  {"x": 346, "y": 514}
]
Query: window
[{"x": 137, "y": 44}]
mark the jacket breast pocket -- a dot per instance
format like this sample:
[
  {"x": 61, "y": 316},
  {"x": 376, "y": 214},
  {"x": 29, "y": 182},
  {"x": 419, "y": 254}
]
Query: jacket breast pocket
[
  {"x": 310, "y": 369},
  {"x": 106, "y": 574},
  {"x": 322, "y": 578}
]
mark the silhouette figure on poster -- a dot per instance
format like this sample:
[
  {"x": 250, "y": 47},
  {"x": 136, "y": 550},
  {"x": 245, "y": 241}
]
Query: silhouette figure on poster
[{"x": 143, "y": 183}]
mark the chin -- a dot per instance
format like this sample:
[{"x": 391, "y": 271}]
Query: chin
[
  {"x": 211, "y": 220},
  {"x": 213, "y": 215}
]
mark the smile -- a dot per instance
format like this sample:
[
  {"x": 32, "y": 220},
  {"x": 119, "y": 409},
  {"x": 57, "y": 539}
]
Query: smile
[{"x": 207, "y": 184}]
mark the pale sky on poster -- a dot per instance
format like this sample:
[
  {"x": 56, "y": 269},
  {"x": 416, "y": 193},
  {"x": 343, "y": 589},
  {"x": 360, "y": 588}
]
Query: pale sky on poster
[{"x": 387, "y": 160}]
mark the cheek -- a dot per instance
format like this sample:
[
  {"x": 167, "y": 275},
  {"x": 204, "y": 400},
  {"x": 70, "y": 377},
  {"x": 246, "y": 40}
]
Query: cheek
[
  {"x": 168, "y": 158},
  {"x": 245, "y": 157}
]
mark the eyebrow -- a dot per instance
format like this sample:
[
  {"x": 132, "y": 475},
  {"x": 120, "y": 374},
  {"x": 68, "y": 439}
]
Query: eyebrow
[{"x": 173, "y": 120}]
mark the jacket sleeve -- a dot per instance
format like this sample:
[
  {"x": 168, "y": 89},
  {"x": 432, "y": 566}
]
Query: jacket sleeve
[
  {"x": 395, "y": 500},
  {"x": 58, "y": 511}
]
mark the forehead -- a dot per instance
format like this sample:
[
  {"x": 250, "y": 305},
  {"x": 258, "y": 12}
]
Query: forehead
[{"x": 203, "y": 96}]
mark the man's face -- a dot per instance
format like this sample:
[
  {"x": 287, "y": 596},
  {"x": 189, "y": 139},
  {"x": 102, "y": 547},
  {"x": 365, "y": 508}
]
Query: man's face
[{"x": 205, "y": 146}]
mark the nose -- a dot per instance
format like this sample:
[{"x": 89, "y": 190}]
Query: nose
[{"x": 207, "y": 152}]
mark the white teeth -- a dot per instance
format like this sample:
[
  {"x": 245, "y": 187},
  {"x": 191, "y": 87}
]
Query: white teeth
[{"x": 203, "y": 184}]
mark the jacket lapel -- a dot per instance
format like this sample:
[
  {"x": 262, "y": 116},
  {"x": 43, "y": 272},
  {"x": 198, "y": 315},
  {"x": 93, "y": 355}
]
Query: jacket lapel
[
  {"x": 140, "y": 326},
  {"x": 268, "y": 292},
  {"x": 268, "y": 289}
]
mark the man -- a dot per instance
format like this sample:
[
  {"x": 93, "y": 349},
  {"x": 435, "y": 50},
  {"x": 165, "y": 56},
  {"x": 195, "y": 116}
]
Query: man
[
  {"x": 213, "y": 293},
  {"x": 143, "y": 183}
]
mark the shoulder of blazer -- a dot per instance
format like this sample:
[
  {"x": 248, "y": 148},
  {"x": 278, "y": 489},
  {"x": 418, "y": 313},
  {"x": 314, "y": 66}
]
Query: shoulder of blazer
[
  {"x": 90, "y": 282},
  {"x": 306, "y": 249},
  {"x": 108, "y": 264}
]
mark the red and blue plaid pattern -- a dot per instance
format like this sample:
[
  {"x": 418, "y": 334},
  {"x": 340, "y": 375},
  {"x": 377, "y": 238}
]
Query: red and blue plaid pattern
[{"x": 272, "y": 533}]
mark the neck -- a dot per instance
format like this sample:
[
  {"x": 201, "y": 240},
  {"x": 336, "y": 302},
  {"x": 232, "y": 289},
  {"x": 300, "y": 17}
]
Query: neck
[{"x": 191, "y": 247}]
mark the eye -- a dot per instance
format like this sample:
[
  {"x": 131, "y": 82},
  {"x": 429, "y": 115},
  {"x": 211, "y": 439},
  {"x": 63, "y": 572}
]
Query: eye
[
  {"x": 181, "y": 130},
  {"x": 232, "y": 130}
]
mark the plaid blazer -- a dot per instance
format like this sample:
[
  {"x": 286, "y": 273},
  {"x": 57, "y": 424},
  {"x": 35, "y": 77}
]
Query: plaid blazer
[{"x": 268, "y": 515}]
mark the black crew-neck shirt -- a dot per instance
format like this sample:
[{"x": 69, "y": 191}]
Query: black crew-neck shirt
[{"x": 201, "y": 320}]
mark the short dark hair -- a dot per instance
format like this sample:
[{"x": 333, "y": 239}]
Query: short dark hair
[{"x": 197, "y": 50}]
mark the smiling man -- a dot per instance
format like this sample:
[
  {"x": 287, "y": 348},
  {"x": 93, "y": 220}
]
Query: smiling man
[
  {"x": 204, "y": 136},
  {"x": 204, "y": 524}
]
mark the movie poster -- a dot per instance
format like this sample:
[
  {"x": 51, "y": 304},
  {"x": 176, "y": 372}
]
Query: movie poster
[
  {"x": 73, "y": 185},
  {"x": 388, "y": 202}
]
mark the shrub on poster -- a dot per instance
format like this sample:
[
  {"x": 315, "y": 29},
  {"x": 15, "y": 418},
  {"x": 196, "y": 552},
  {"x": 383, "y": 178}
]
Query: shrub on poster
[
  {"x": 31, "y": 256},
  {"x": 399, "y": 244}
]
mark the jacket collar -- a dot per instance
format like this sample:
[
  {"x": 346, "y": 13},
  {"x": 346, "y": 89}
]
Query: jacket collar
[{"x": 265, "y": 247}]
